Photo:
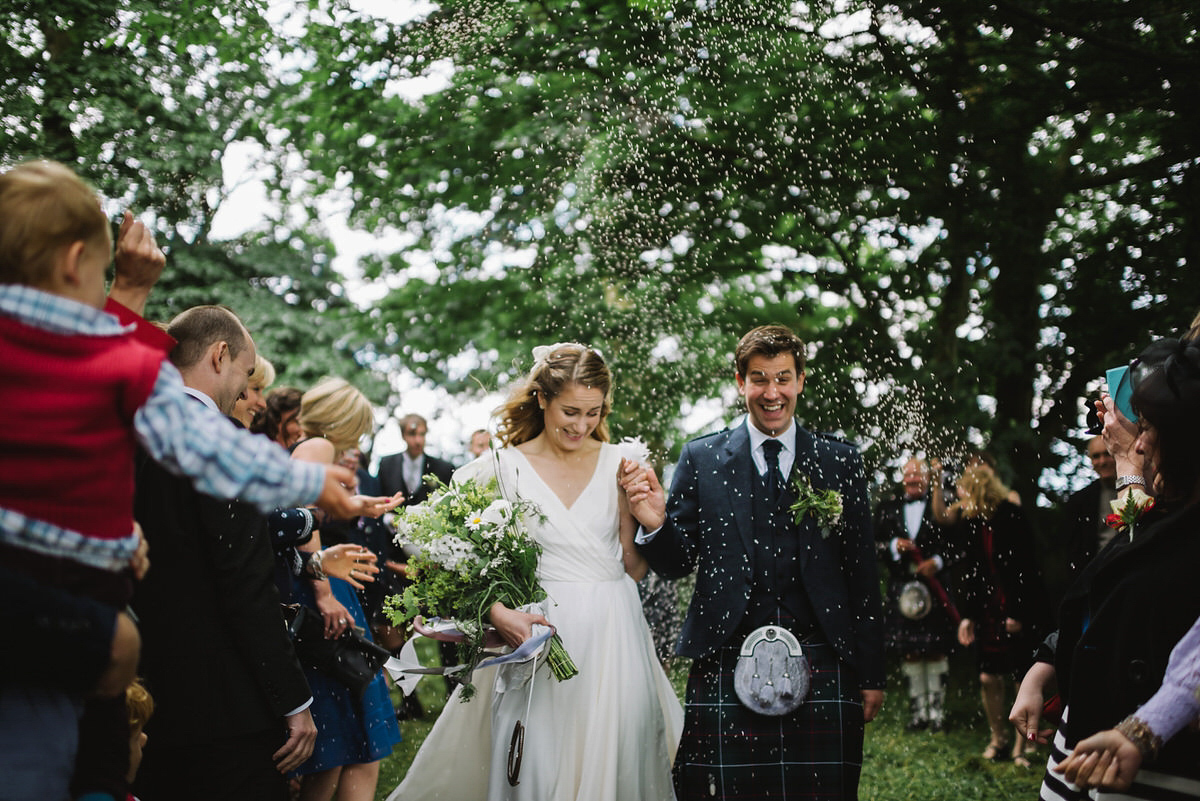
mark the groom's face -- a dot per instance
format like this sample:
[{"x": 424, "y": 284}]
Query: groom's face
[{"x": 770, "y": 387}]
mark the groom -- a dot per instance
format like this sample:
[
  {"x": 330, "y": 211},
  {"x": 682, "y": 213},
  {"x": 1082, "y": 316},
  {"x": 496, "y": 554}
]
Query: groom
[{"x": 729, "y": 519}]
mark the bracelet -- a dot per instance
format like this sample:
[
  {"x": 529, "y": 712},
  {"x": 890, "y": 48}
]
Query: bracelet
[
  {"x": 315, "y": 562},
  {"x": 1140, "y": 735},
  {"x": 1126, "y": 481}
]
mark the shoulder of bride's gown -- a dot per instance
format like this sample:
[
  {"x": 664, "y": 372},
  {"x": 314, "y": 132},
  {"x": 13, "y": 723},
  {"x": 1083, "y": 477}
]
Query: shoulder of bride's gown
[
  {"x": 481, "y": 468},
  {"x": 484, "y": 468}
]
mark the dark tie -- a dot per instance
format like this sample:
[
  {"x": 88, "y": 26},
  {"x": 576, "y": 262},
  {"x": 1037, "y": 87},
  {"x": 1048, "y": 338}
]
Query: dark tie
[{"x": 771, "y": 448}]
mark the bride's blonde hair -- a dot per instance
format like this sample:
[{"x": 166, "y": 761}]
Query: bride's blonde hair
[{"x": 555, "y": 367}]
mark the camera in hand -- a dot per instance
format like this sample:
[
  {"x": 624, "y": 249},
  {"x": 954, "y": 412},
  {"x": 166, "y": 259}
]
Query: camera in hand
[{"x": 1094, "y": 426}]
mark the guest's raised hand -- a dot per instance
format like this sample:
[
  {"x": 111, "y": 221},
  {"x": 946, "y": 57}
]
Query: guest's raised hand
[
  {"x": 139, "y": 263},
  {"x": 336, "y": 499},
  {"x": 647, "y": 501},
  {"x": 1120, "y": 435},
  {"x": 376, "y": 505},
  {"x": 1108, "y": 760},
  {"x": 350, "y": 562}
]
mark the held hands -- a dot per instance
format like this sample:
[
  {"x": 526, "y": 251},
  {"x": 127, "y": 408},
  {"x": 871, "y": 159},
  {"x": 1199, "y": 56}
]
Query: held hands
[
  {"x": 513, "y": 625},
  {"x": 1108, "y": 760},
  {"x": 647, "y": 501},
  {"x": 350, "y": 562}
]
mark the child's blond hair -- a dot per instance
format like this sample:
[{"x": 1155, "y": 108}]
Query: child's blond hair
[
  {"x": 139, "y": 704},
  {"x": 45, "y": 207}
]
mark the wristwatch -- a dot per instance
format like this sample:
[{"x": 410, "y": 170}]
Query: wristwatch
[{"x": 1125, "y": 481}]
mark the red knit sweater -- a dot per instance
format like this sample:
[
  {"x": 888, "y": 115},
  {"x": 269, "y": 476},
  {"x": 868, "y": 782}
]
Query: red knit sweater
[{"x": 67, "y": 450}]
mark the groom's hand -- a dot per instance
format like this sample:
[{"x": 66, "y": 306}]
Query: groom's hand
[
  {"x": 872, "y": 703},
  {"x": 647, "y": 501}
]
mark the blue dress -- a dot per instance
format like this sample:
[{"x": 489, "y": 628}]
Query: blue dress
[{"x": 348, "y": 732}]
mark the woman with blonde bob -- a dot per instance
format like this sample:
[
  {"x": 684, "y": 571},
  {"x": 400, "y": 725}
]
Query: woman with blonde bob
[
  {"x": 353, "y": 736},
  {"x": 252, "y": 401},
  {"x": 610, "y": 732},
  {"x": 1002, "y": 600}
]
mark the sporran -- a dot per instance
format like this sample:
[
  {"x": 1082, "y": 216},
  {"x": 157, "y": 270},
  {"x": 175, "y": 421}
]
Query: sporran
[{"x": 772, "y": 675}]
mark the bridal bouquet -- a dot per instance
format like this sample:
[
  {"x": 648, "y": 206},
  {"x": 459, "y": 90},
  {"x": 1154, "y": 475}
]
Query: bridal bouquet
[{"x": 475, "y": 550}]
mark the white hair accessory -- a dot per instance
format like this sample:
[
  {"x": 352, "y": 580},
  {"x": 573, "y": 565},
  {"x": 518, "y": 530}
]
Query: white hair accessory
[{"x": 542, "y": 353}]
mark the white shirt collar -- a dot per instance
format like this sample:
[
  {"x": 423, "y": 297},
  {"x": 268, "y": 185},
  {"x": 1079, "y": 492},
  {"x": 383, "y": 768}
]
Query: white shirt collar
[
  {"x": 205, "y": 399},
  {"x": 787, "y": 456}
]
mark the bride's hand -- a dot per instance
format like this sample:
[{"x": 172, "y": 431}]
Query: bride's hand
[
  {"x": 647, "y": 501},
  {"x": 514, "y": 625}
]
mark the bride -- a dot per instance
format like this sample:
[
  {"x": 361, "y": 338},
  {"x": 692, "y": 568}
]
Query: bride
[{"x": 609, "y": 733}]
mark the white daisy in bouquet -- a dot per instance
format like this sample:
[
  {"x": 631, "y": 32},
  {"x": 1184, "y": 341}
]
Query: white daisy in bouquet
[{"x": 475, "y": 550}]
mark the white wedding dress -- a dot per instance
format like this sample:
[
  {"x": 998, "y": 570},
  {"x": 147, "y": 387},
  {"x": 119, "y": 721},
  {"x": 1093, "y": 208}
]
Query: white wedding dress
[{"x": 609, "y": 733}]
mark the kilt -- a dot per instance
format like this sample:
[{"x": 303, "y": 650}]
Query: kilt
[
  {"x": 932, "y": 635},
  {"x": 727, "y": 751}
]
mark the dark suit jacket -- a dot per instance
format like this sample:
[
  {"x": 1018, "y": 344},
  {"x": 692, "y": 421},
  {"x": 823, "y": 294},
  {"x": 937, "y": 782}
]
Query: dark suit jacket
[
  {"x": 215, "y": 655},
  {"x": 709, "y": 529},
  {"x": 932, "y": 539},
  {"x": 1080, "y": 524},
  {"x": 391, "y": 476}
]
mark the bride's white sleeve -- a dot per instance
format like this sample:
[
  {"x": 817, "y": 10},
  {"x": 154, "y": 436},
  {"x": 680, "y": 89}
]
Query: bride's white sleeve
[{"x": 481, "y": 470}]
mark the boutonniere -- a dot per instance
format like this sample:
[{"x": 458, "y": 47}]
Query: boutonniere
[
  {"x": 825, "y": 506},
  {"x": 1126, "y": 513}
]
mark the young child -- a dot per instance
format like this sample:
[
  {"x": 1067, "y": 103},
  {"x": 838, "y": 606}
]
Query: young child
[
  {"x": 141, "y": 707},
  {"x": 82, "y": 393}
]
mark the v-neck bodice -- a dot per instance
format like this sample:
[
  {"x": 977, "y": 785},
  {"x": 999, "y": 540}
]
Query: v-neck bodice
[
  {"x": 580, "y": 543},
  {"x": 546, "y": 484}
]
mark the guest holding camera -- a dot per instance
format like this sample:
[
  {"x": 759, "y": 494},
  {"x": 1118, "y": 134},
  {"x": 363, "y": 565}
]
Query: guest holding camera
[{"x": 1131, "y": 605}]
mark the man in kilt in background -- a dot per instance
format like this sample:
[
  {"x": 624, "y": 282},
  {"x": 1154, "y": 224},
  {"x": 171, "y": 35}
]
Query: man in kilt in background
[{"x": 765, "y": 570}]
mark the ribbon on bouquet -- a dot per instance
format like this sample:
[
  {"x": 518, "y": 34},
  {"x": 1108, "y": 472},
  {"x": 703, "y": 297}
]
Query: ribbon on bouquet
[
  {"x": 938, "y": 588},
  {"x": 406, "y": 669}
]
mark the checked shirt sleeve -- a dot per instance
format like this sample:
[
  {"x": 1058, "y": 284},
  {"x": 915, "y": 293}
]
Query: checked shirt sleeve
[{"x": 190, "y": 439}]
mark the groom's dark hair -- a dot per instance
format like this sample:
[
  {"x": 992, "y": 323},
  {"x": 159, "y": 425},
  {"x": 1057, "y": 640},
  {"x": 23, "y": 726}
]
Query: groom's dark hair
[{"x": 769, "y": 341}]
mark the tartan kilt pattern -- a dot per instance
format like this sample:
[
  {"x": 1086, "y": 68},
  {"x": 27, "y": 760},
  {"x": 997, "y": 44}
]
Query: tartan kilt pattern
[{"x": 729, "y": 752}]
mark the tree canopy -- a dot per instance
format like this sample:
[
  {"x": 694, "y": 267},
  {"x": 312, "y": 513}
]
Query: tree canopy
[
  {"x": 144, "y": 100},
  {"x": 968, "y": 210}
]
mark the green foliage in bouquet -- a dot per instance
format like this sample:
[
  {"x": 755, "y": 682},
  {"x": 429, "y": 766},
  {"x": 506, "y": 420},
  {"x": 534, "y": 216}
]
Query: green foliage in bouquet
[{"x": 476, "y": 550}]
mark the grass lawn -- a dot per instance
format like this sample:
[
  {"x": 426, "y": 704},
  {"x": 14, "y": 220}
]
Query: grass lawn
[{"x": 898, "y": 765}]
